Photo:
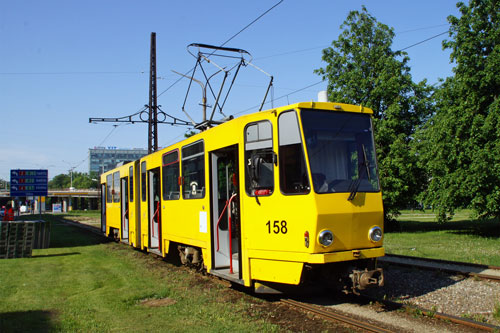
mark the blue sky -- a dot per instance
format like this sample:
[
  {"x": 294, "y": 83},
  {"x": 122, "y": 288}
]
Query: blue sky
[{"x": 62, "y": 62}]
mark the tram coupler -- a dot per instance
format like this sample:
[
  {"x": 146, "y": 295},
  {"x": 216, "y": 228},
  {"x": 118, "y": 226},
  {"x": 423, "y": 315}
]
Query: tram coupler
[{"x": 366, "y": 279}]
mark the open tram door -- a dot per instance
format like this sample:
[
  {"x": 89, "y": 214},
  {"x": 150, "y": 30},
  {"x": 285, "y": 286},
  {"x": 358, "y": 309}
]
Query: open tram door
[
  {"x": 154, "y": 210},
  {"x": 124, "y": 209},
  {"x": 226, "y": 238}
]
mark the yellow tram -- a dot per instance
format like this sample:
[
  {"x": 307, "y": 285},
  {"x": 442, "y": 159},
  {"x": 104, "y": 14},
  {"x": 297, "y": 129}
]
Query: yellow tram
[{"x": 277, "y": 197}]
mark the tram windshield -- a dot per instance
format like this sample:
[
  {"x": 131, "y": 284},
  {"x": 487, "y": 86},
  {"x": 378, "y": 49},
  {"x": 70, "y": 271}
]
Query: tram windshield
[{"x": 341, "y": 151}]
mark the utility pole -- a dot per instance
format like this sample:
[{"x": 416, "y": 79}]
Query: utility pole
[
  {"x": 153, "y": 102},
  {"x": 153, "y": 109}
]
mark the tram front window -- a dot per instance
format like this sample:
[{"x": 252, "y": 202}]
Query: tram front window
[{"x": 341, "y": 151}]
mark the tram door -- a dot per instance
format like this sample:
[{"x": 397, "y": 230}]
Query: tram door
[
  {"x": 124, "y": 208},
  {"x": 103, "y": 208},
  {"x": 226, "y": 242},
  {"x": 154, "y": 209}
]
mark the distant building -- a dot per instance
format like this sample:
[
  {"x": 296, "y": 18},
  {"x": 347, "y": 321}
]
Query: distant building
[{"x": 102, "y": 159}]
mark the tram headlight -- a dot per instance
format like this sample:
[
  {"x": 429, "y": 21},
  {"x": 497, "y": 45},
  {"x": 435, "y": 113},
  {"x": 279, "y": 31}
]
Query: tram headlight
[
  {"x": 375, "y": 234},
  {"x": 325, "y": 238}
]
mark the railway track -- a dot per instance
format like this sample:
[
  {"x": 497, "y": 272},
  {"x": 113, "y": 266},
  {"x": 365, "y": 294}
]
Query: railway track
[
  {"x": 438, "y": 315},
  {"x": 454, "y": 267},
  {"x": 331, "y": 315},
  {"x": 335, "y": 316},
  {"x": 468, "y": 269}
]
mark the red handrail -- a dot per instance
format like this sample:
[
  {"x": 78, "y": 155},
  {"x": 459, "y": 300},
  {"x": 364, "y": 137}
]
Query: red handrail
[
  {"x": 218, "y": 222},
  {"x": 229, "y": 227},
  {"x": 124, "y": 214},
  {"x": 230, "y": 238},
  {"x": 152, "y": 220}
]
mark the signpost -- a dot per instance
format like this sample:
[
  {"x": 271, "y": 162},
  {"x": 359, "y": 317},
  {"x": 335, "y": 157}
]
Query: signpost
[{"x": 32, "y": 182}]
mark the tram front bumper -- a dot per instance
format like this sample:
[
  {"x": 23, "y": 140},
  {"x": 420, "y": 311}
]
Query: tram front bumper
[{"x": 323, "y": 258}]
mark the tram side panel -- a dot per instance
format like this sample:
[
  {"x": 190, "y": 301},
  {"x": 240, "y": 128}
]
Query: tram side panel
[
  {"x": 134, "y": 204},
  {"x": 185, "y": 200},
  {"x": 143, "y": 204},
  {"x": 113, "y": 219},
  {"x": 273, "y": 224},
  {"x": 130, "y": 209}
]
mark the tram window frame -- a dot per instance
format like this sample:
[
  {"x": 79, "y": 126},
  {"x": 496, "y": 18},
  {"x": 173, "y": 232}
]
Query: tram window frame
[
  {"x": 170, "y": 163},
  {"x": 109, "y": 188},
  {"x": 193, "y": 154},
  {"x": 131, "y": 183},
  {"x": 260, "y": 158},
  {"x": 290, "y": 144},
  {"x": 143, "y": 181},
  {"x": 116, "y": 186}
]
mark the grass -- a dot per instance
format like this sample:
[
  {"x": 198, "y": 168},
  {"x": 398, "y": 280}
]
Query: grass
[
  {"x": 461, "y": 239},
  {"x": 89, "y": 213},
  {"x": 496, "y": 312},
  {"x": 84, "y": 283}
]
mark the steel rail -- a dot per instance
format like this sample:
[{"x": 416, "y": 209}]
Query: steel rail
[
  {"x": 410, "y": 261},
  {"x": 438, "y": 315},
  {"x": 443, "y": 261},
  {"x": 332, "y": 316}
]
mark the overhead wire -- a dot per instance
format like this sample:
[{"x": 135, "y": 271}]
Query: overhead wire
[
  {"x": 66, "y": 73},
  {"x": 277, "y": 98},
  {"x": 314, "y": 84},
  {"x": 423, "y": 41},
  {"x": 282, "y": 54},
  {"x": 422, "y": 28},
  {"x": 227, "y": 41},
  {"x": 100, "y": 144}
]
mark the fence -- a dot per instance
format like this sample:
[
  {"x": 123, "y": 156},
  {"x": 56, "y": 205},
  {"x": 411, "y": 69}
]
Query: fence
[{"x": 19, "y": 238}]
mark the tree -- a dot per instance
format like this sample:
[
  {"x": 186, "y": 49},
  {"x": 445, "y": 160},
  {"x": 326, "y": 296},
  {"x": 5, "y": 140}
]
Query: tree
[
  {"x": 460, "y": 145},
  {"x": 80, "y": 180},
  {"x": 84, "y": 180},
  {"x": 363, "y": 69},
  {"x": 60, "y": 181}
]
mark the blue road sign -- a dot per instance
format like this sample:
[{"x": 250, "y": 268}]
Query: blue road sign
[{"x": 25, "y": 183}]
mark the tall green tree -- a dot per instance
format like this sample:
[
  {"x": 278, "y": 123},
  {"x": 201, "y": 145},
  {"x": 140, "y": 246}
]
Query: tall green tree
[
  {"x": 362, "y": 68},
  {"x": 460, "y": 145},
  {"x": 60, "y": 181},
  {"x": 80, "y": 180}
]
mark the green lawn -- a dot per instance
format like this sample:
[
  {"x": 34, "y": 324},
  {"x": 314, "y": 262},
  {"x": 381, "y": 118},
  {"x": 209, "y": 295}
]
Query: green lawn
[
  {"x": 84, "y": 283},
  {"x": 461, "y": 239}
]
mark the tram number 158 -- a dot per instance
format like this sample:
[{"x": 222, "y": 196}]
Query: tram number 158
[{"x": 277, "y": 227}]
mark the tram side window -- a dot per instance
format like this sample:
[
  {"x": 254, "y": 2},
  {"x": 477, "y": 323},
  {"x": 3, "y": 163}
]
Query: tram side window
[
  {"x": 292, "y": 165},
  {"x": 193, "y": 171},
  {"x": 109, "y": 188},
  {"x": 131, "y": 183},
  {"x": 171, "y": 188},
  {"x": 260, "y": 158},
  {"x": 143, "y": 181},
  {"x": 116, "y": 187}
]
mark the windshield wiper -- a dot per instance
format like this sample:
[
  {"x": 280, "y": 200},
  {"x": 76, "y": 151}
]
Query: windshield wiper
[{"x": 355, "y": 184}]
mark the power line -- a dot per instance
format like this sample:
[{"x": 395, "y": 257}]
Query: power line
[
  {"x": 423, "y": 41},
  {"x": 100, "y": 144},
  {"x": 314, "y": 84},
  {"x": 291, "y": 52},
  {"x": 66, "y": 73},
  {"x": 248, "y": 25},
  {"x": 227, "y": 41},
  {"x": 423, "y": 28},
  {"x": 283, "y": 96}
]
